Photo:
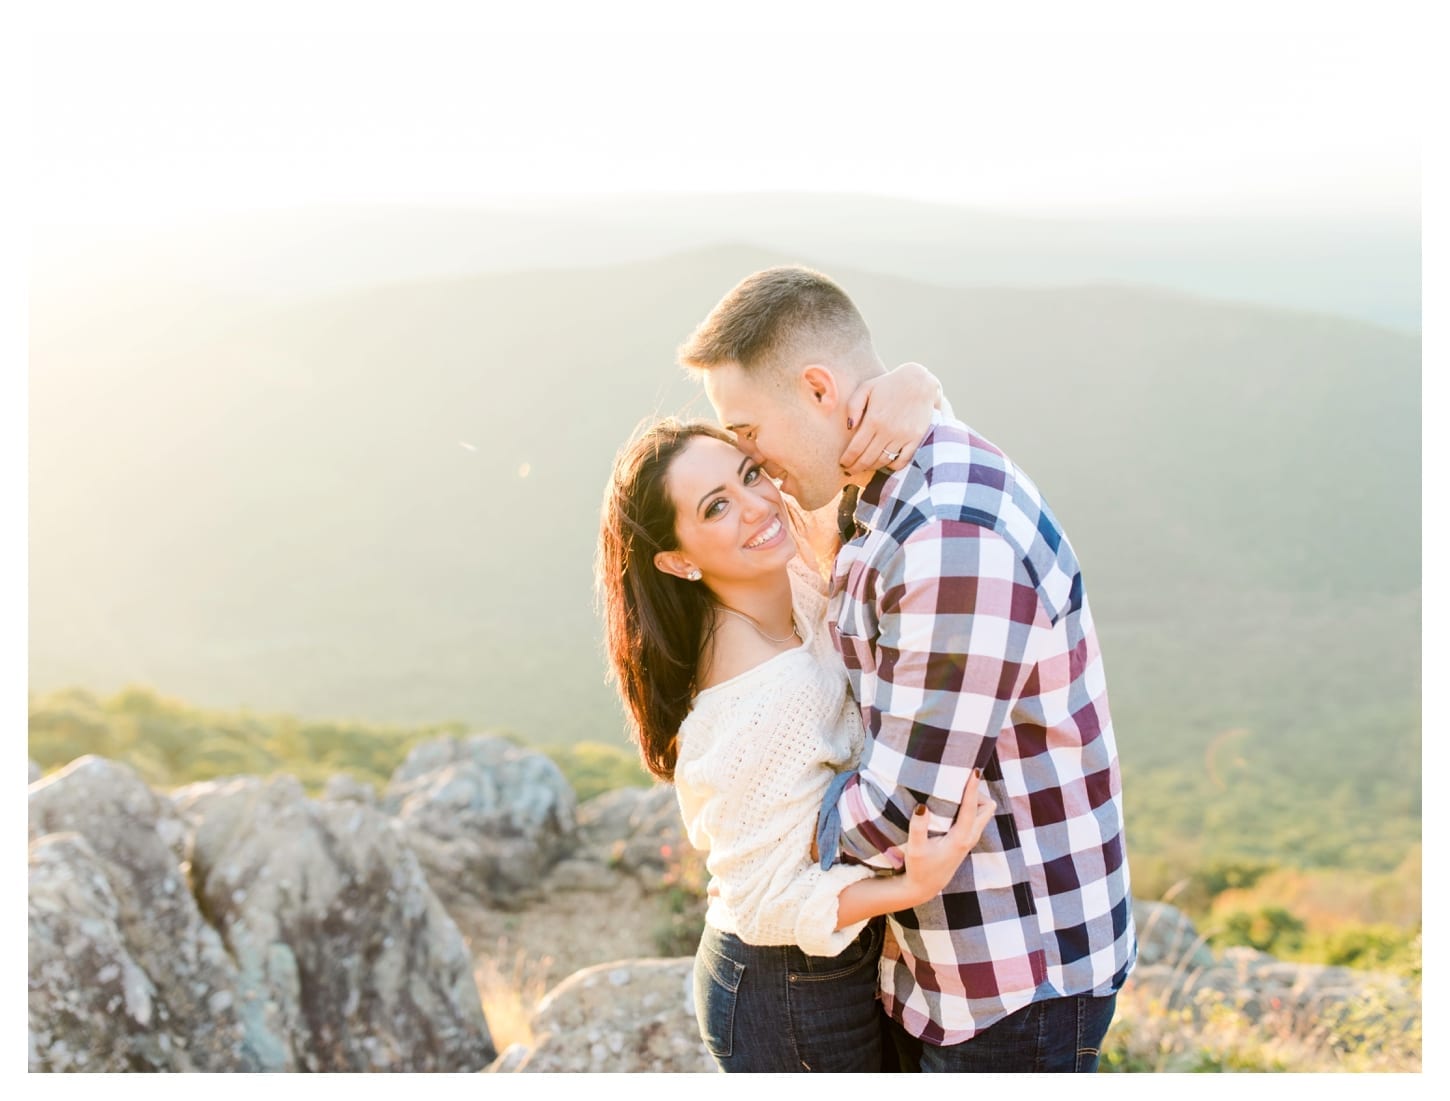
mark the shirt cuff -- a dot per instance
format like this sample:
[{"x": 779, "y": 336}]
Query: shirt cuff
[
  {"x": 815, "y": 926},
  {"x": 828, "y": 824}
]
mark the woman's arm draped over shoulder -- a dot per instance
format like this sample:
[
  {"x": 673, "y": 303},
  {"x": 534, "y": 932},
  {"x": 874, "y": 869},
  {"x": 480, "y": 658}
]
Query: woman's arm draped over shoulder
[{"x": 891, "y": 413}]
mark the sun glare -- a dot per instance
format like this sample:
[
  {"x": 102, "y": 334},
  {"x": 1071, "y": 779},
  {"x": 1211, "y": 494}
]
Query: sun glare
[{"x": 138, "y": 131}]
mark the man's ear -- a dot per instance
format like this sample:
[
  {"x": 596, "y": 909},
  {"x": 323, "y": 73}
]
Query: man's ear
[
  {"x": 675, "y": 563},
  {"x": 818, "y": 385}
]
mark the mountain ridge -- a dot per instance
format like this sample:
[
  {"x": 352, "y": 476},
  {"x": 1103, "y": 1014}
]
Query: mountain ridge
[{"x": 383, "y": 504}]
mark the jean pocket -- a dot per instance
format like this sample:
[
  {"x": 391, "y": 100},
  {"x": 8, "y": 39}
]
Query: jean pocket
[
  {"x": 717, "y": 988},
  {"x": 863, "y": 951}
]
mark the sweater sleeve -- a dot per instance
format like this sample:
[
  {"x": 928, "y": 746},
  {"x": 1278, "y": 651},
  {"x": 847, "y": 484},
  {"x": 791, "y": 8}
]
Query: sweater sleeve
[{"x": 750, "y": 797}]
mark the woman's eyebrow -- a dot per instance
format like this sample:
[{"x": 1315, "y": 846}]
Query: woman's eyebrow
[
  {"x": 721, "y": 489},
  {"x": 717, "y": 489}
]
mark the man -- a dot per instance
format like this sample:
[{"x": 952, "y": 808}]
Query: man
[{"x": 959, "y": 610}]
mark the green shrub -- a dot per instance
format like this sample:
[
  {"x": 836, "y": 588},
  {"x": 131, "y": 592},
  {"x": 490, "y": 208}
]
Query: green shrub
[
  {"x": 170, "y": 743},
  {"x": 1371, "y": 947},
  {"x": 1270, "y": 929}
]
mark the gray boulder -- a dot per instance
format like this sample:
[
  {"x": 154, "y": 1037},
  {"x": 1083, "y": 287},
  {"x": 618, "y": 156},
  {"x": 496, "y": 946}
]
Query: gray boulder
[
  {"x": 1259, "y": 987},
  {"x": 1166, "y": 936},
  {"x": 342, "y": 788},
  {"x": 125, "y": 973},
  {"x": 636, "y": 830},
  {"x": 324, "y": 906},
  {"x": 1178, "y": 972},
  {"x": 486, "y": 818},
  {"x": 630, "y": 1016}
]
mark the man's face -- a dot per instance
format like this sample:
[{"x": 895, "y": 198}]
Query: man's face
[{"x": 794, "y": 440}]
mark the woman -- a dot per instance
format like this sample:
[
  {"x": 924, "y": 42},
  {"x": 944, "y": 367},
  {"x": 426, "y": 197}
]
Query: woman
[{"x": 716, "y": 633}]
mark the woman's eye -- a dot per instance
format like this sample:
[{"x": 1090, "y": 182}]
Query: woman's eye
[
  {"x": 714, "y": 508},
  {"x": 752, "y": 475}
]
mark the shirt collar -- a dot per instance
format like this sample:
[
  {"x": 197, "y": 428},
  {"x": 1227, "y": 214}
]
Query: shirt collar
[{"x": 887, "y": 486}]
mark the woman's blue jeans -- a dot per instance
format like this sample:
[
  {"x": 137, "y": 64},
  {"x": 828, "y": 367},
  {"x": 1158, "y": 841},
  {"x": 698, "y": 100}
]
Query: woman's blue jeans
[{"x": 779, "y": 1010}]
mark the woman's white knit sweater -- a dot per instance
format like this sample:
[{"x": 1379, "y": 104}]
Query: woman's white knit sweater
[{"x": 756, "y": 753}]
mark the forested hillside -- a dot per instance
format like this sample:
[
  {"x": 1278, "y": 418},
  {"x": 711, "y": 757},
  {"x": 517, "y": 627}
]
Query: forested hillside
[{"x": 381, "y": 506}]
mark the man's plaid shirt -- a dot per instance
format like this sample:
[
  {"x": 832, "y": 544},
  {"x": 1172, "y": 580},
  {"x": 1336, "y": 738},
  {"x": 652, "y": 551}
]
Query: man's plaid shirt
[{"x": 961, "y": 617}]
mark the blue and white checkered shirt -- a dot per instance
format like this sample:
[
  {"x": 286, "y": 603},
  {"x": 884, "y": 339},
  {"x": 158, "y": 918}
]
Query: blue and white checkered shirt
[{"x": 962, "y": 619}]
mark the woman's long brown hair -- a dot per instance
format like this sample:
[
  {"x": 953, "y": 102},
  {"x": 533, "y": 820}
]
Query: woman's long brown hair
[{"x": 656, "y": 625}]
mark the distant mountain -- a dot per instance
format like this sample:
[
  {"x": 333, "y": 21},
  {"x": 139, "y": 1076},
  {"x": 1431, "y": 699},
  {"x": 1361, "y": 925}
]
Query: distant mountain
[
  {"x": 383, "y": 504},
  {"x": 1358, "y": 266}
]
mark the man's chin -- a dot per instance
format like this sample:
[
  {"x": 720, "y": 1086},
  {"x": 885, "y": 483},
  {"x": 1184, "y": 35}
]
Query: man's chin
[{"x": 807, "y": 500}]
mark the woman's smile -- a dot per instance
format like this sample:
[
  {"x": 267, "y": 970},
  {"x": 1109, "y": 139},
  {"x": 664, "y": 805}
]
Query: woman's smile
[{"x": 769, "y": 537}]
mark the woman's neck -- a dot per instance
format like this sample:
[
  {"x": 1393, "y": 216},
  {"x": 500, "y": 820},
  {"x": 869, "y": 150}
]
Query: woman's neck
[{"x": 767, "y": 600}]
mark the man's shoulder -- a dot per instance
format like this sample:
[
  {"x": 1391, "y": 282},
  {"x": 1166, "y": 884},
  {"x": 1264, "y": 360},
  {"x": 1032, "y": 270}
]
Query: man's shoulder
[
  {"x": 964, "y": 475},
  {"x": 966, "y": 478},
  {"x": 951, "y": 441}
]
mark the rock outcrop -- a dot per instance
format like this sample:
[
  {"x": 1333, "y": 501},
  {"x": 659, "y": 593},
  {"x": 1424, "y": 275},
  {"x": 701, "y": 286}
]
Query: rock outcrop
[
  {"x": 324, "y": 907},
  {"x": 627, "y": 1016},
  {"x": 635, "y": 830},
  {"x": 1166, "y": 936},
  {"x": 1178, "y": 970},
  {"x": 1257, "y": 986},
  {"x": 238, "y": 926},
  {"x": 125, "y": 972},
  {"x": 486, "y": 818},
  {"x": 342, "y": 788},
  {"x": 637, "y": 1015}
]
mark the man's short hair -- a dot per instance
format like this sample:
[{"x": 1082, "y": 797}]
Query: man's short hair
[{"x": 772, "y": 313}]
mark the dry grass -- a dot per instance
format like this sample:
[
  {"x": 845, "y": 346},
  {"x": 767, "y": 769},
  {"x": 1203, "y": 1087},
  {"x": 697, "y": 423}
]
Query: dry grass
[
  {"x": 1193, "y": 1029},
  {"x": 1214, "y": 1035},
  {"x": 510, "y": 994}
]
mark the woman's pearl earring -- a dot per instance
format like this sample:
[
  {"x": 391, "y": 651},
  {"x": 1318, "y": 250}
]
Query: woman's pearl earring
[{"x": 695, "y": 575}]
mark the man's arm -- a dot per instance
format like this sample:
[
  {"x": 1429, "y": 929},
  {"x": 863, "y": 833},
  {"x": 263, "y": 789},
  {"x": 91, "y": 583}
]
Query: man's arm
[{"x": 955, "y": 611}]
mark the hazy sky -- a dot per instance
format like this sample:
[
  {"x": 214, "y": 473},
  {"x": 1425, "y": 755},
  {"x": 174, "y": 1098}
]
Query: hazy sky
[{"x": 137, "y": 127}]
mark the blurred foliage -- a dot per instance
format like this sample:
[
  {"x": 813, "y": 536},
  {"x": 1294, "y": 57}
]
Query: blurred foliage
[
  {"x": 1271, "y": 929},
  {"x": 171, "y": 743},
  {"x": 682, "y": 903},
  {"x": 1372, "y": 947},
  {"x": 1275, "y": 930},
  {"x": 594, "y": 768}
]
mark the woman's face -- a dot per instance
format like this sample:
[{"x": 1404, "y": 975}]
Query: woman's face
[{"x": 729, "y": 519}]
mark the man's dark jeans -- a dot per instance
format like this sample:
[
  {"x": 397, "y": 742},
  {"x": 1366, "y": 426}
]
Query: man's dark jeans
[{"x": 1056, "y": 1034}]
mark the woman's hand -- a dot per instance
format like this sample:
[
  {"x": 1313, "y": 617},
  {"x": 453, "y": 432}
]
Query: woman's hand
[
  {"x": 891, "y": 414},
  {"x": 931, "y": 862}
]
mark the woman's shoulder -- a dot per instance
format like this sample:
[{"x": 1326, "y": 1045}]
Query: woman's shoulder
[
  {"x": 743, "y": 677},
  {"x": 735, "y": 649}
]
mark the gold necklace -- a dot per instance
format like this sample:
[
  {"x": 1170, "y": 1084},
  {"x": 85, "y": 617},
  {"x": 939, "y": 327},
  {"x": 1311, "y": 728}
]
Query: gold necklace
[{"x": 794, "y": 630}]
